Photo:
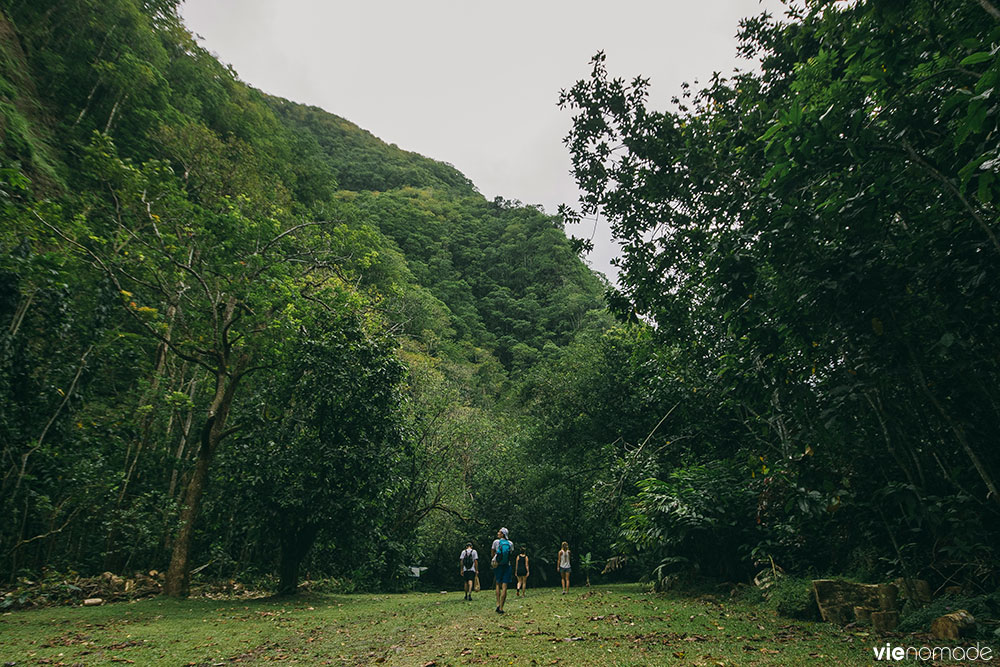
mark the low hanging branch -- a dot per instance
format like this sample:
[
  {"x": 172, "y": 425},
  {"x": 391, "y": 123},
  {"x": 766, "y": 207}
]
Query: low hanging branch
[{"x": 990, "y": 9}]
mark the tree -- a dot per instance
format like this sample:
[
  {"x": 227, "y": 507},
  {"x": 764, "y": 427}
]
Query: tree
[
  {"x": 324, "y": 439},
  {"x": 212, "y": 288},
  {"x": 820, "y": 238}
]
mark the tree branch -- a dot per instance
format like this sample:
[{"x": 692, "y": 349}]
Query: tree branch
[
  {"x": 944, "y": 180},
  {"x": 114, "y": 279},
  {"x": 293, "y": 229},
  {"x": 990, "y": 9}
]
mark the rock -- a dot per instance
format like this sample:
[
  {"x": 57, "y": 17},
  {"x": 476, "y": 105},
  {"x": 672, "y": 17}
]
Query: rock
[
  {"x": 837, "y": 599},
  {"x": 954, "y": 625},
  {"x": 841, "y": 614},
  {"x": 919, "y": 589},
  {"x": 863, "y": 615},
  {"x": 884, "y": 621},
  {"x": 93, "y": 602},
  {"x": 888, "y": 594}
]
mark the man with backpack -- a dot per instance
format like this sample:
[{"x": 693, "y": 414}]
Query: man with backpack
[
  {"x": 469, "y": 568},
  {"x": 503, "y": 570}
]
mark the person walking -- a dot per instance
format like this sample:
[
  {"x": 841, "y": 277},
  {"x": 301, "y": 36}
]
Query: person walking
[
  {"x": 468, "y": 568},
  {"x": 563, "y": 566},
  {"x": 502, "y": 566},
  {"x": 521, "y": 570}
]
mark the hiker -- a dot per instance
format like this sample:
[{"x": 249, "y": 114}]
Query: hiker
[
  {"x": 468, "y": 568},
  {"x": 502, "y": 567},
  {"x": 563, "y": 566},
  {"x": 521, "y": 570}
]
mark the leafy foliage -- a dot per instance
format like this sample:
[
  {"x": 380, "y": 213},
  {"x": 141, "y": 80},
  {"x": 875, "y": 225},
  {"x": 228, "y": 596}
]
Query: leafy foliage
[
  {"x": 816, "y": 242},
  {"x": 207, "y": 297}
]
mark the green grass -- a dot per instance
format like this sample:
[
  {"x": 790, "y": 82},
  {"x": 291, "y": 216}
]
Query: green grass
[{"x": 604, "y": 625}]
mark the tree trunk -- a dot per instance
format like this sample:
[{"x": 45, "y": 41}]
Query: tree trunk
[
  {"x": 959, "y": 433},
  {"x": 178, "y": 574},
  {"x": 295, "y": 544}
]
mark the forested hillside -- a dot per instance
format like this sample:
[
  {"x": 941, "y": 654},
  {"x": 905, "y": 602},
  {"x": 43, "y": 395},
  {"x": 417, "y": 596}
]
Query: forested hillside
[
  {"x": 241, "y": 334},
  {"x": 243, "y": 338}
]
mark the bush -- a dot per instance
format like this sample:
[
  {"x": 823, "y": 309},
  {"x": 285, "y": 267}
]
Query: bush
[
  {"x": 700, "y": 518},
  {"x": 981, "y": 606},
  {"x": 793, "y": 597}
]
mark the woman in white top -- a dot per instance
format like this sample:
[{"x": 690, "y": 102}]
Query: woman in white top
[{"x": 563, "y": 567}]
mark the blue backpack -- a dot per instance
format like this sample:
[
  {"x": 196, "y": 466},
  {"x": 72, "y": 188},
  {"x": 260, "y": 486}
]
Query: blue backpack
[{"x": 503, "y": 552}]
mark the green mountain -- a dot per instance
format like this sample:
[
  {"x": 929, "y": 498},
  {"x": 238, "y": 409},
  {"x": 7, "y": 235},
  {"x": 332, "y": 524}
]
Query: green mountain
[{"x": 208, "y": 293}]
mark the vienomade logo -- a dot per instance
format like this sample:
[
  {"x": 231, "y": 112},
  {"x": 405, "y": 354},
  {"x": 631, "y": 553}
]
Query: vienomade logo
[{"x": 896, "y": 653}]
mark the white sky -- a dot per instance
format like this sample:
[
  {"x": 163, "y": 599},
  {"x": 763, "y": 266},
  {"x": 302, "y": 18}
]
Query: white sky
[{"x": 469, "y": 82}]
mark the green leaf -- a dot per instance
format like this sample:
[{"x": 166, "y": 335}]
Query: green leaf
[
  {"x": 956, "y": 99},
  {"x": 976, "y": 58},
  {"x": 770, "y": 131},
  {"x": 984, "y": 193}
]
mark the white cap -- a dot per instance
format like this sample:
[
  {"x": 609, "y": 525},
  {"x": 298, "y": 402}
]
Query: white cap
[{"x": 504, "y": 532}]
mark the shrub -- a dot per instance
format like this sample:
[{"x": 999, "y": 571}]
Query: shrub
[
  {"x": 981, "y": 606},
  {"x": 793, "y": 597}
]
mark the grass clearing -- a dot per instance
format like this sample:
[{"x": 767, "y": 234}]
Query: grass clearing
[{"x": 603, "y": 625}]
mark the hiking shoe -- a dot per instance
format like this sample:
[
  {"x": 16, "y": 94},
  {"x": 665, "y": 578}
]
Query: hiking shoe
[{"x": 500, "y": 611}]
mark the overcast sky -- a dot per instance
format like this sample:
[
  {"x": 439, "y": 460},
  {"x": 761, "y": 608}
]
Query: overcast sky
[{"x": 469, "y": 82}]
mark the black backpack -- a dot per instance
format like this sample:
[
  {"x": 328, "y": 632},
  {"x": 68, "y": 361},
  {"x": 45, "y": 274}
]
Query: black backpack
[{"x": 468, "y": 562}]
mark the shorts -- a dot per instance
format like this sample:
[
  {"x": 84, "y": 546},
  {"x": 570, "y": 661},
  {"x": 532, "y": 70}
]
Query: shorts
[
  {"x": 502, "y": 574},
  {"x": 564, "y": 569},
  {"x": 469, "y": 575}
]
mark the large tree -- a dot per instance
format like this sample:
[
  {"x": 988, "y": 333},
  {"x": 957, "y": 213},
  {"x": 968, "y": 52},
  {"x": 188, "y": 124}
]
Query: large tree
[
  {"x": 823, "y": 234},
  {"x": 216, "y": 288}
]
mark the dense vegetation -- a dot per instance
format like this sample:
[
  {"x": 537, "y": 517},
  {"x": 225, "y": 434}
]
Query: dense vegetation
[
  {"x": 242, "y": 335},
  {"x": 245, "y": 338},
  {"x": 816, "y": 248}
]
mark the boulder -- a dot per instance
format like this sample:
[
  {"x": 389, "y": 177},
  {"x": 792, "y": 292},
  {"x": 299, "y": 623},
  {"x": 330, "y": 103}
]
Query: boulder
[
  {"x": 953, "y": 626},
  {"x": 888, "y": 595},
  {"x": 841, "y": 614},
  {"x": 863, "y": 615},
  {"x": 837, "y": 599},
  {"x": 884, "y": 621},
  {"x": 918, "y": 589}
]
